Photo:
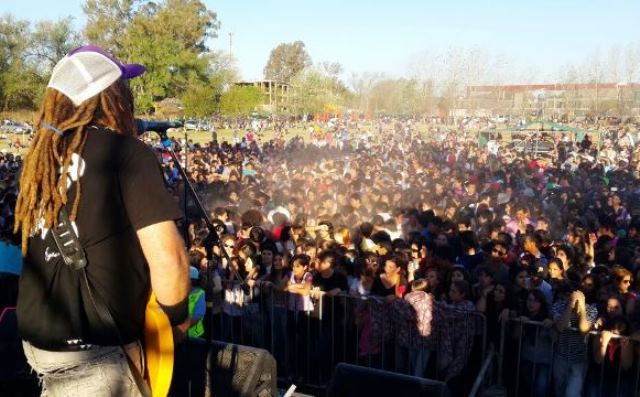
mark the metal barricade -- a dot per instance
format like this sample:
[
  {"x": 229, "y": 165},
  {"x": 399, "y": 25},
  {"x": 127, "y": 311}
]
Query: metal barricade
[
  {"x": 533, "y": 360},
  {"x": 365, "y": 331}
]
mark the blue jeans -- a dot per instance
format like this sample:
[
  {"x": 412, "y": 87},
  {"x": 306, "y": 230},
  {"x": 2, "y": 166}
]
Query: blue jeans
[
  {"x": 418, "y": 360},
  {"x": 568, "y": 377},
  {"x": 412, "y": 361},
  {"x": 538, "y": 385},
  {"x": 100, "y": 372}
]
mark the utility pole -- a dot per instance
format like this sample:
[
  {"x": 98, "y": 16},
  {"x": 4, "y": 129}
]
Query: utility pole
[{"x": 230, "y": 44}]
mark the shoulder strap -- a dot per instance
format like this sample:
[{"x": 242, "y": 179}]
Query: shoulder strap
[{"x": 68, "y": 243}]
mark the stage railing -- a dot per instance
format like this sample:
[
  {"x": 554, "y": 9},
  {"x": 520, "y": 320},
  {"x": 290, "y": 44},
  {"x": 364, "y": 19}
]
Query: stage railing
[
  {"x": 308, "y": 336},
  {"x": 531, "y": 362}
]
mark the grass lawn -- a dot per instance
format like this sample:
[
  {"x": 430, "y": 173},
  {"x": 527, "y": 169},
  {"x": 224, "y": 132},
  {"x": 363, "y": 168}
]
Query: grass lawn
[
  {"x": 197, "y": 136},
  {"x": 205, "y": 136}
]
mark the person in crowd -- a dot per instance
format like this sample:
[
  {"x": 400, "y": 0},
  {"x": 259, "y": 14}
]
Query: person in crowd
[
  {"x": 622, "y": 280},
  {"x": 573, "y": 318},
  {"x": 413, "y": 316},
  {"x": 197, "y": 304},
  {"x": 534, "y": 336},
  {"x": 613, "y": 358}
]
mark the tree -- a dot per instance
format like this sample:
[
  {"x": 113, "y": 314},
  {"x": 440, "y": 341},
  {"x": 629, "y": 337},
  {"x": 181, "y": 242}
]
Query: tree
[
  {"x": 319, "y": 89},
  {"x": 285, "y": 61},
  {"x": 51, "y": 41},
  {"x": 168, "y": 37},
  {"x": 108, "y": 22},
  {"x": 19, "y": 82},
  {"x": 199, "y": 101},
  {"x": 240, "y": 100}
]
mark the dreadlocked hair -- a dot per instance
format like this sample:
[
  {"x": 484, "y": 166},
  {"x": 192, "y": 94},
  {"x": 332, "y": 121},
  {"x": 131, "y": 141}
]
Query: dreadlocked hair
[{"x": 43, "y": 182}]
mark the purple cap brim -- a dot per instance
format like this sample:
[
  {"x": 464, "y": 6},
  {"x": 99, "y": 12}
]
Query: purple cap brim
[{"x": 129, "y": 70}]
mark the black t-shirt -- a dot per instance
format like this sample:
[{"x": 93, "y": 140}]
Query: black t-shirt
[
  {"x": 122, "y": 190},
  {"x": 378, "y": 288},
  {"x": 336, "y": 280},
  {"x": 332, "y": 307}
]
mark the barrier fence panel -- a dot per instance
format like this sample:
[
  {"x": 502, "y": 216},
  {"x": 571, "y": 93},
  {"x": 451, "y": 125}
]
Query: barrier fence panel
[
  {"x": 308, "y": 336},
  {"x": 535, "y": 359}
]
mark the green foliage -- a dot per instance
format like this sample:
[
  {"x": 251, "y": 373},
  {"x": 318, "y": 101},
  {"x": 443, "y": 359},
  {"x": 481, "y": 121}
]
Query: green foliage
[
  {"x": 240, "y": 100},
  {"x": 285, "y": 61},
  {"x": 319, "y": 89},
  {"x": 20, "y": 84},
  {"x": 50, "y": 41},
  {"x": 108, "y": 22},
  {"x": 168, "y": 38},
  {"x": 199, "y": 101}
]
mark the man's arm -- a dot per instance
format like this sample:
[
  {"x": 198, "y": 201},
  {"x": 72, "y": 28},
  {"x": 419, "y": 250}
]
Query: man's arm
[{"x": 165, "y": 252}]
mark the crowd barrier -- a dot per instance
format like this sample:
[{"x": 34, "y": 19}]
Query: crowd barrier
[
  {"x": 310, "y": 336},
  {"x": 530, "y": 362}
]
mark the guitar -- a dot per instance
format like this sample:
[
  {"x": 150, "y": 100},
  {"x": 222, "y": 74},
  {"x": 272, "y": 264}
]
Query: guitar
[{"x": 158, "y": 349}]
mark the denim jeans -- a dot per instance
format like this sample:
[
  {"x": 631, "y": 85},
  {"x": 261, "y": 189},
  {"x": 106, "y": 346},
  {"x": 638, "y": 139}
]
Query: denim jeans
[
  {"x": 418, "y": 360},
  {"x": 412, "y": 361},
  {"x": 537, "y": 385},
  {"x": 568, "y": 377},
  {"x": 102, "y": 371}
]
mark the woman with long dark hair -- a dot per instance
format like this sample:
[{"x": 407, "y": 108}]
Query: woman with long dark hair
[{"x": 534, "y": 338}]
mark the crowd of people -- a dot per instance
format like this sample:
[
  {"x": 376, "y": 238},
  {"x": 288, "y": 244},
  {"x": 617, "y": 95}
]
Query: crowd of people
[
  {"x": 429, "y": 225},
  {"x": 434, "y": 243}
]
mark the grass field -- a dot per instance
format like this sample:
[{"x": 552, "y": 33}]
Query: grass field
[
  {"x": 204, "y": 136},
  {"x": 196, "y": 136}
]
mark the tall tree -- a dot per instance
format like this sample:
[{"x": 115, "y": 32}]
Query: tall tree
[
  {"x": 168, "y": 37},
  {"x": 51, "y": 41},
  {"x": 285, "y": 61},
  {"x": 108, "y": 22},
  {"x": 319, "y": 89},
  {"x": 19, "y": 82}
]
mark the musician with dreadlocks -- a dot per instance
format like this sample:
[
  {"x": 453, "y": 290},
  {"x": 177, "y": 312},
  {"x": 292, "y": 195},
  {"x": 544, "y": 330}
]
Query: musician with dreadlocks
[{"x": 85, "y": 161}]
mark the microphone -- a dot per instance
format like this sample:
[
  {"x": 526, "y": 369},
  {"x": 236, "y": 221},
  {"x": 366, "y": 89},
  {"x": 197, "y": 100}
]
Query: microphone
[{"x": 157, "y": 126}]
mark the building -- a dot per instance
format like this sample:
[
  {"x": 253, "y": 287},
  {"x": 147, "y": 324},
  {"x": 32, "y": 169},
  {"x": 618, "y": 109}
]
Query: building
[
  {"x": 277, "y": 96},
  {"x": 550, "y": 100}
]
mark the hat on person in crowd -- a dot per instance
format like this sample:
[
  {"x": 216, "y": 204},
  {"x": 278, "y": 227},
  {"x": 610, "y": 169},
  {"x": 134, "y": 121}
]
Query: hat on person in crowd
[
  {"x": 88, "y": 70},
  {"x": 194, "y": 274},
  {"x": 503, "y": 198},
  {"x": 538, "y": 269},
  {"x": 278, "y": 210}
]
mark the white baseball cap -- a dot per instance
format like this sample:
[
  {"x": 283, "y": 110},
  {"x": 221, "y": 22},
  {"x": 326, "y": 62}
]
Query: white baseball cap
[{"x": 88, "y": 70}]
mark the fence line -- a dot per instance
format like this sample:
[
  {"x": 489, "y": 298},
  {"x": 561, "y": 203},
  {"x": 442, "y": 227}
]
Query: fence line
[
  {"x": 308, "y": 337},
  {"x": 535, "y": 362}
]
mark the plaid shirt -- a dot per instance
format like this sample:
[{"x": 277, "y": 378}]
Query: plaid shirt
[{"x": 412, "y": 317}]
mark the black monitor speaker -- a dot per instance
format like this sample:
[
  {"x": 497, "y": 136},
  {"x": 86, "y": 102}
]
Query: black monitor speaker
[
  {"x": 223, "y": 370},
  {"x": 353, "y": 380}
]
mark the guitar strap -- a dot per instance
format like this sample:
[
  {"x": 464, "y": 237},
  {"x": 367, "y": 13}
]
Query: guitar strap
[{"x": 75, "y": 257}]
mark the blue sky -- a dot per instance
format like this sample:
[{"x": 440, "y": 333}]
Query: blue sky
[{"x": 391, "y": 36}]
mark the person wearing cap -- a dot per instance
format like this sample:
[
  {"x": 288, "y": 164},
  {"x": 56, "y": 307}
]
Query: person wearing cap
[{"x": 85, "y": 158}]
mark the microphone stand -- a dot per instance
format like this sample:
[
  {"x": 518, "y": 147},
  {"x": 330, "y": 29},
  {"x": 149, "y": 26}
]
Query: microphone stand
[{"x": 188, "y": 186}]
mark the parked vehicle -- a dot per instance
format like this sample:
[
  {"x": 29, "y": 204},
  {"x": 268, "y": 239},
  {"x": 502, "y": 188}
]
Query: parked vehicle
[
  {"x": 537, "y": 146},
  {"x": 14, "y": 127},
  {"x": 191, "y": 125}
]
